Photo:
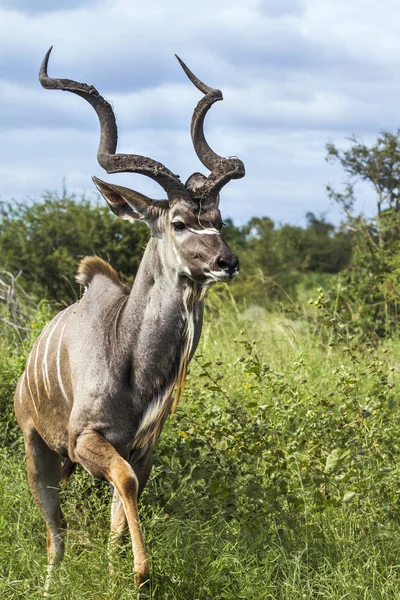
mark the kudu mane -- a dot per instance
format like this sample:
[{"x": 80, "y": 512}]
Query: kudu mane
[{"x": 90, "y": 266}]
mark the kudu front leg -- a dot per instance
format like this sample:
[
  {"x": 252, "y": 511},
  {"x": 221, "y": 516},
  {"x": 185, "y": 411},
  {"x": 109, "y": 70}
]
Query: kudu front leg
[
  {"x": 101, "y": 459},
  {"x": 141, "y": 463},
  {"x": 142, "y": 467}
]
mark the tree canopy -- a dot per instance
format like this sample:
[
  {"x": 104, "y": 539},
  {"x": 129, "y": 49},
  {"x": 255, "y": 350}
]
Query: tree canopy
[
  {"x": 369, "y": 295},
  {"x": 46, "y": 240}
]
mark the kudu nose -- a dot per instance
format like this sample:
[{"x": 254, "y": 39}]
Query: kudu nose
[{"x": 229, "y": 264}]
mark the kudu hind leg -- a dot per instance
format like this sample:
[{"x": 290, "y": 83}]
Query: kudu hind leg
[
  {"x": 118, "y": 531},
  {"x": 119, "y": 523},
  {"x": 101, "y": 459},
  {"x": 44, "y": 472}
]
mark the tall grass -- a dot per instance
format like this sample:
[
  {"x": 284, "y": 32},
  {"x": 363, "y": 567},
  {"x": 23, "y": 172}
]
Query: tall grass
[{"x": 281, "y": 418}]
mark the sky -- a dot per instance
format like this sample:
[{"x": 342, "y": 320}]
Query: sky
[{"x": 295, "y": 75}]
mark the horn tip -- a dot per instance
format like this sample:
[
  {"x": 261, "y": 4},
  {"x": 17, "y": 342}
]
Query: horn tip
[
  {"x": 192, "y": 77},
  {"x": 47, "y": 55},
  {"x": 184, "y": 66},
  {"x": 43, "y": 68}
]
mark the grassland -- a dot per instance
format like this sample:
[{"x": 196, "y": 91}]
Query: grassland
[{"x": 277, "y": 478}]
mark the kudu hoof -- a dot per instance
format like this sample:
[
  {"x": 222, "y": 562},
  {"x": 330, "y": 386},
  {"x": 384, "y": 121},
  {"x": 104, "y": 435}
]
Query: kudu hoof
[{"x": 142, "y": 578}]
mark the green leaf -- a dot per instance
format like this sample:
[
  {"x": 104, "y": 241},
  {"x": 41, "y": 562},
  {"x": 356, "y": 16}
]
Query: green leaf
[
  {"x": 218, "y": 489},
  {"x": 348, "y": 497},
  {"x": 198, "y": 473},
  {"x": 334, "y": 459}
]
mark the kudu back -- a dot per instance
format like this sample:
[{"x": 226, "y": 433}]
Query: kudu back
[{"x": 100, "y": 379}]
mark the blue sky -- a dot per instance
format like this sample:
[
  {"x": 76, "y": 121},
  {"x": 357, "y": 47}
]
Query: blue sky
[{"x": 294, "y": 73}]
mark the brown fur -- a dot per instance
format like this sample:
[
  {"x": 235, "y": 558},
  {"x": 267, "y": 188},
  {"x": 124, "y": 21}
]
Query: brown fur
[
  {"x": 105, "y": 462},
  {"x": 93, "y": 265}
]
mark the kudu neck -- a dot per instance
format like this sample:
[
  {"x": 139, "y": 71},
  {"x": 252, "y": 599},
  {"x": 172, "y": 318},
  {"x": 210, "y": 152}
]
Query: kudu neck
[
  {"x": 154, "y": 271},
  {"x": 158, "y": 291},
  {"x": 161, "y": 323}
]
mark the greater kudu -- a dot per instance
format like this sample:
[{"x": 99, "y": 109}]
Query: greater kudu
[{"x": 99, "y": 381}]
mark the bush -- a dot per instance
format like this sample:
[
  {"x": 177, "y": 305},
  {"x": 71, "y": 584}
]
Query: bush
[
  {"x": 14, "y": 351},
  {"x": 368, "y": 295},
  {"x": 277, "y": 452},
  {"x": 46, "y": 241}
]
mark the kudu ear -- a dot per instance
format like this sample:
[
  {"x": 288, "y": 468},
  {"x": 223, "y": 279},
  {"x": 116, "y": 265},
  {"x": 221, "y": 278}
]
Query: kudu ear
[{"x": 125, "y": 203}]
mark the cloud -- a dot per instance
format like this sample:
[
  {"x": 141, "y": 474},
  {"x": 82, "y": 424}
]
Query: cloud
[
  {"x": 43, "y": 6},
  {"x": 294, "y": 74}
]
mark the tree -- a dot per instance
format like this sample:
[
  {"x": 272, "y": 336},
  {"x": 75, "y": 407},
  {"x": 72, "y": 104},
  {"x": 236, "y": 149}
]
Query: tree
[
  {"x": 47, "y": 239},
  {"x": 369, "y": 296}
]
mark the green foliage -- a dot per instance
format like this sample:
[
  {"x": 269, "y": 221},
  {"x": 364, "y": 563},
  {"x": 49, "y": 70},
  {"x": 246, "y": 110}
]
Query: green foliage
[
  {"x": 274, "y": 259},
  {"x": 274, "y": 443},
  {"x": 11, "y": 366},
  {"x": 317, "y": 247},
  {"x": 14, "y": 351},
  {"x": 47, "y": 239},
  {"x": 369, "y": 288},
  {"x": 276, "y": 478},
  {"x": 190, "y": 558},
  {"x": 278, "y": 475}
]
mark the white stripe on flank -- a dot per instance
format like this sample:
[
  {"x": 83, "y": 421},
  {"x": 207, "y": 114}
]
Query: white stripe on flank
[
  {"x": 20, "y": 387},
  {"x": 39, "y": 341},
  {"x": 29, "y": 383},
  {"x": 46, "y": 378},
  {"x": 60, "y": 383}
]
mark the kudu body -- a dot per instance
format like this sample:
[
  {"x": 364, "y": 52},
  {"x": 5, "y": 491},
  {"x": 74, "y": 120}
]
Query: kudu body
[{"x": 99, "y": 381}]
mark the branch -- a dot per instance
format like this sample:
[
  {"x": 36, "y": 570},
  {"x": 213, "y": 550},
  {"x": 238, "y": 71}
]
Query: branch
[{"x": 7, "y": 322}]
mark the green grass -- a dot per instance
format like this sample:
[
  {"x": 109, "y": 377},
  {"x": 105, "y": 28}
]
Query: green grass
[
  {"x": 241, "y": 504},
  {"x": 191, "y": 558}
]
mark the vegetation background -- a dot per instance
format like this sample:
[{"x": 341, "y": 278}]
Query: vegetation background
[{"x": 278, "y": 477}]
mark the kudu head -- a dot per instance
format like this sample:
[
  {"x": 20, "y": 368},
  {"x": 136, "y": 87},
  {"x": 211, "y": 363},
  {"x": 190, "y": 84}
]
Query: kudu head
[{"x": 188, "y": 223}]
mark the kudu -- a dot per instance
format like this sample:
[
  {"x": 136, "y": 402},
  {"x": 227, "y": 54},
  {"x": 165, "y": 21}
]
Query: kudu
[{"x": 99, "y": 381}]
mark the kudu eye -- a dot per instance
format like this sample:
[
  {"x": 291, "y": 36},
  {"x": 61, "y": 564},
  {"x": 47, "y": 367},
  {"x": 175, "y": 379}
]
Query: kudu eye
[{"x": 178, "y": 225}]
